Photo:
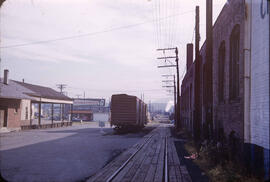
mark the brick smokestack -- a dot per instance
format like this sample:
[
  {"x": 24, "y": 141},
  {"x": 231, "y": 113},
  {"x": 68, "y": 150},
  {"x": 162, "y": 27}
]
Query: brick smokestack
[
  {"x": 189, "y": 55},
  {"x": 6, "y": 76}
]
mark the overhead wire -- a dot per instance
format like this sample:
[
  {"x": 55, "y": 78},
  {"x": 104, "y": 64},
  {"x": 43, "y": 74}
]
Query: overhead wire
[
  {"x": 169, "y": 31},
  {"x": 159, "y": 23},
  {"x": 106, "y": 90},
  {"x": 174, "y": 24},
  {"x": 171, "y": 24},
  {"x": 166, "y": 23},
  {"x": 154, "y": 23},
  {"x": 88, "y": 34}
]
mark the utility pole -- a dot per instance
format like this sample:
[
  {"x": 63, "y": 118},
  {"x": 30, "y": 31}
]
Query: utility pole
[
  {"x": 61, "y": 87},
  {"x": 0, "y": 70},
  {"x": 177, "y": 123},
  {"x": 175, "y": 107},
  {"x": 174, "y": 91},
  {"x": 209, "y": 65},
  {"x": 149, "y": 107},
  {"x": 197, "y": 103},
  {"x": 178, "y": 90}
]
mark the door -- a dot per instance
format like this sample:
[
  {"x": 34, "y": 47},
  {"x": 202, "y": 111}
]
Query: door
[{"x": 3, "y": 118}]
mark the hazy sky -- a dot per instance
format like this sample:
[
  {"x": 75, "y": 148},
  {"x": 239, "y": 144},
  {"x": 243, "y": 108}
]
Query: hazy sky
[{"x": 100, "y": 47}]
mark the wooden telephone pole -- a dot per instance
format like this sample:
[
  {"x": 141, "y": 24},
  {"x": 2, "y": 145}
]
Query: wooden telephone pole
[
  {"x": 174, "y": 91},
  {"x": 177, "y": 123},
  {"x": 197, "y": 92},
  {"x": 209, "y": 67}
]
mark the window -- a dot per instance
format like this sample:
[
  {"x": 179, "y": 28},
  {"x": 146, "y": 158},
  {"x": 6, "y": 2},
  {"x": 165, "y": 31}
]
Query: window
[
  {"x": 234, "y": 63},
  {"x": 26, "y": 113},
  {"x": 221, "y": 63}
]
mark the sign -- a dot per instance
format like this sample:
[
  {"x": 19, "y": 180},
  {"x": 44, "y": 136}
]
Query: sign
[{"x": 89, "y": 102}]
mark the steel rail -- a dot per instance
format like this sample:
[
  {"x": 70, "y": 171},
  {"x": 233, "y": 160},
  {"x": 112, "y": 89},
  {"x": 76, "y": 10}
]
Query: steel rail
[
  {"x": 127, "y": 161},
  {"x": 166, "y": 161}
]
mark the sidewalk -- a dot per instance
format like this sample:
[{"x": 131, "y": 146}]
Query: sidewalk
[{"x": 6, "y": 130}]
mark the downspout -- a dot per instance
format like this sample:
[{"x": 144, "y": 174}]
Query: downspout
[
  {"x": 247, "y": 83},
  {"x": 268, "y": 5},
  {"x": 247, "y": 70}
]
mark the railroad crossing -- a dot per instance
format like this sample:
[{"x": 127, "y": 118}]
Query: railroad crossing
[{"x": 152, "y": 159}]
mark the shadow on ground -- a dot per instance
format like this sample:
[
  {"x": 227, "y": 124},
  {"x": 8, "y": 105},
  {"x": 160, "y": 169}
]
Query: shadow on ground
[{"x": 195, "y": 172}]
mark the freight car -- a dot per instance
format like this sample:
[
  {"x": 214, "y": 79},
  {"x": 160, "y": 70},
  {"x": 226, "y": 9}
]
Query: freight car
[{"x": 128, "y": 112}]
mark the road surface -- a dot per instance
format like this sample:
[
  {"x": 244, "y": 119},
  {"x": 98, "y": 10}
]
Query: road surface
[{"x": 61, "y": 154}]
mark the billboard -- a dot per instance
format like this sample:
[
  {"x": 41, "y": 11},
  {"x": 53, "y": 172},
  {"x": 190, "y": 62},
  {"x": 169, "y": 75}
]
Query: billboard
[{"x": 89, "y": 102}]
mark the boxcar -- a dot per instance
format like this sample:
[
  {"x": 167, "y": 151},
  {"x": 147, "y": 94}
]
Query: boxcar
[{"x": 128, "y": 112}]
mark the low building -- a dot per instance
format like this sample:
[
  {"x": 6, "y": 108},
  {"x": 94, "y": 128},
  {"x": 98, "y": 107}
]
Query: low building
[
  {"x": 82, "y": 115},
  {"x": 90, "y": 109},
  {"x": 23, "y": 105}
]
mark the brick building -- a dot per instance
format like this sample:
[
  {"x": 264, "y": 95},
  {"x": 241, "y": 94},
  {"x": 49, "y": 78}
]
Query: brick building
[
  {"x": 240, "y": 83},
  {"x": 21, "y": 105},
  {"x": 187, "y": 91}
]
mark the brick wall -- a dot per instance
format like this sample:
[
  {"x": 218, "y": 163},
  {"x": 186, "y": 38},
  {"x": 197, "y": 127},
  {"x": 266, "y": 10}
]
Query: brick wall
[
  {"x": 14, "y": 118},
  {"x": 187, "y": 98},
  {"x": 229, "y": 114},
  {"x": 14, "y": 112}
]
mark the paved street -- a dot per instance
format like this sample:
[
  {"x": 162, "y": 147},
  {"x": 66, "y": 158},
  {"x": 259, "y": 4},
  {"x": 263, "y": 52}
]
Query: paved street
[{"x": 61, "y": 154}]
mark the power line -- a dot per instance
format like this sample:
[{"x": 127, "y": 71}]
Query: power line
[
  {"x": 92, "y": 33},
  {"x": 155, "y": 23},
  {"x": 107, "y": 90}
]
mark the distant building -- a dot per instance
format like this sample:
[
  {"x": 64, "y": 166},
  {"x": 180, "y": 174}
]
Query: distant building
[
  {"x": 22, "y": 105},
  {"x": 90, "y": 109}
]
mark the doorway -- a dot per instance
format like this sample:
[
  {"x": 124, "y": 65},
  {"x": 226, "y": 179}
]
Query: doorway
[{"x": 3, "y": 118}]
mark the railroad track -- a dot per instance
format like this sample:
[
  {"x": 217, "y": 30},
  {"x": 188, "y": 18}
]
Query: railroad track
[
  {"x": 153, "y": 159},
  {"x": 128, "y": 160},
  {"x": 165, "y": 167},
  {"x": 166, "y": 176}
]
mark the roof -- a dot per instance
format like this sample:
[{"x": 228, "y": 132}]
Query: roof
[
  {"x": 21, "y": 90},
  {"x": 14, "y": 91},
  {"x": 44, "y": 92}
]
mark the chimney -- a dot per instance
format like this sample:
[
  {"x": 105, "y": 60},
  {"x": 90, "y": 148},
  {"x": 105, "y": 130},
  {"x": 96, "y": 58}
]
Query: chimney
[
  {"x": 189, "y": 55},
  {"x": 6, "y": 76}
]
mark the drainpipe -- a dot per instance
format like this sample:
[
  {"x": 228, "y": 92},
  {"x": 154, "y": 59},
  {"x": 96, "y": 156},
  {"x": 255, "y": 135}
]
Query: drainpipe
[
  {"x": 39, "y": 112},
  {"x": 52, "y": 110},
  {"x": 268, "y": 5},
  {"x": 247, "y": 70}
]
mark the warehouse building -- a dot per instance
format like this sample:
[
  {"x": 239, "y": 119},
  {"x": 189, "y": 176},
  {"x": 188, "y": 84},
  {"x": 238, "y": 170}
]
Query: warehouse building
[{"x": 238, "y": 112}]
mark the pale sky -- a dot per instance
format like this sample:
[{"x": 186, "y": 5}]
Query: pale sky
[{"x": 100, "y": 47}]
